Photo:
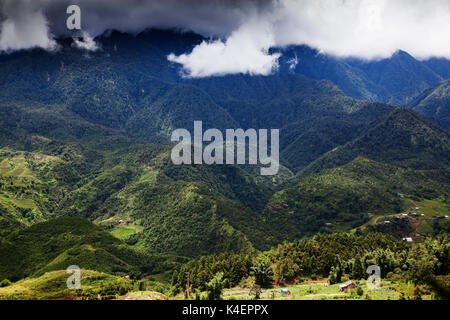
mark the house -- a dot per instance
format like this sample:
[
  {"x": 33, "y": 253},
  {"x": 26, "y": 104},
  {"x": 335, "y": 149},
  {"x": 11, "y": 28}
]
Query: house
[
  {"x": 409, "y": 240},
  {"x": 404, "y": 215},
  {"x": 349, "y": 285}
]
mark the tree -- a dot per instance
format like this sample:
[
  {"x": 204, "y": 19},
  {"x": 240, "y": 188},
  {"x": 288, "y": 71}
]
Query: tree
[
  {"x": 335, "y": 274},
  {"x": 263, "y": 273},
  {"x": 215, "y": 287},
  {"x": 421, "y": 265},
  {"x": 358, "y": 269},
  {"x": 174, "y": 281},
  {"x": 336, "y": 271}
]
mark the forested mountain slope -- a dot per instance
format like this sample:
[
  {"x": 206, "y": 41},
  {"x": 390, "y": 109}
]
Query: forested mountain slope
[
  {"x": 435, "y": 104},
  {"x": 403, "y": 138}
]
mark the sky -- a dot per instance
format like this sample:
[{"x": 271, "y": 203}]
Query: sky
[{"x": 241, "y": 32}]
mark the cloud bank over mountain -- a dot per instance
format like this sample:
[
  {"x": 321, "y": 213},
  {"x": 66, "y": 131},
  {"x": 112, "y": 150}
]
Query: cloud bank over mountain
[{"x": 242, "y": 32}]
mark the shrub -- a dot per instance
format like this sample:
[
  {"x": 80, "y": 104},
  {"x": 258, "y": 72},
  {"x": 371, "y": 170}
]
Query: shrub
[
  {"x": 359, "y": 291},
  {"x": 393, "y": 276},
  {"x": 215, "y": 287},
  {"x": 198, "y": 294},
  {"x": 5, "y": 283}
]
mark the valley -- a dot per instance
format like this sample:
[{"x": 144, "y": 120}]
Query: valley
[{"x": 86, "y": 176}]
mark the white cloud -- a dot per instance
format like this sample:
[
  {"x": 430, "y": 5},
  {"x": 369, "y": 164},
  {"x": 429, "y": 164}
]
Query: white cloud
[
  {"x": 368, "y": 29},
  {"x": 292, "y": 63},
  {"x": 86, "y": 43},
  {"x": 245, "y": 51},
  {"x": 23, "y": 29}
]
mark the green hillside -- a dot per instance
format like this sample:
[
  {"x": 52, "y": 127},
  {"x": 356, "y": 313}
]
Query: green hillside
[
  {"x": 435, "y": 104},
  {"x": 404, "y": 139},
  {"x": 401, "y": 77},
  {"x": 52, "y": 285},
  {"x": 59, "y": 243},
  {"x": 340, "y": 199},
  {"x": 28, "y": 192},
  {"x": 187, "y": 210},
  {"x": 191, "y": 219},
  {"x": 306, "y": 140},
  {"x": 395, "y": 80}
]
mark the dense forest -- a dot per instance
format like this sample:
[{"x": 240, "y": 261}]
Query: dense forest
[{"x": 337, "y": 257}]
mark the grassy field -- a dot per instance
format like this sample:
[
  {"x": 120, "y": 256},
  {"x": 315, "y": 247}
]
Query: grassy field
[
  {"x": 430, "y": 208},
  {"x": 123, "y": 232},
  {"x": 323, "y": 291},
  {"x": 120, "y": 226}
]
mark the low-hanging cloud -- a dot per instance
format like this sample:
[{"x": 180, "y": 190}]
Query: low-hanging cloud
[
  {"x": 366, "y": 28},
  {"x": 246, "y": 50},
  {"x": 86, "y": 42},
  {"x": 240, "y": 33},
  {"x": 24, "y": 25}
]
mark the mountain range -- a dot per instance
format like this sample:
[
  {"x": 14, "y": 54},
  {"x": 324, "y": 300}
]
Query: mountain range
[{"x": 85, "y": 136}]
